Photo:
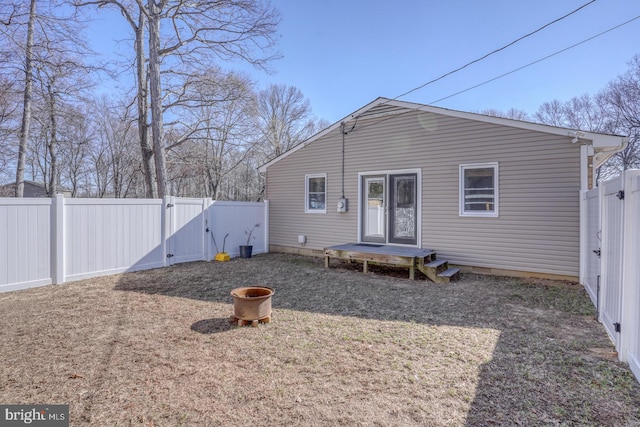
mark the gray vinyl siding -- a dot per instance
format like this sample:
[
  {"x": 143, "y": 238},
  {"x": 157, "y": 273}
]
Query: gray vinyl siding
[{"x": 539, "y": 182}]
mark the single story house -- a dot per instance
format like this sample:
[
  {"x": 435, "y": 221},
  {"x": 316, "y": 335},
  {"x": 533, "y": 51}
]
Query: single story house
[
  {"x": 32, "y": 189},
  {"x": 489, "y": 194}
]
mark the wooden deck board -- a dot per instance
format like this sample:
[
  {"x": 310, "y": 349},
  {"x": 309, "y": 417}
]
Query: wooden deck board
[{"x": 381, "y": 249}]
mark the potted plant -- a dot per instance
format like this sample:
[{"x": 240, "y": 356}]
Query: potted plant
[{"x": 246, "y": 250}]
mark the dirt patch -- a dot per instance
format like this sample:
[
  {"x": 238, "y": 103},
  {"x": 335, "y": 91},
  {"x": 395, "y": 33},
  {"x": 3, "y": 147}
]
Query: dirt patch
[{"x": 343, "y": 348}]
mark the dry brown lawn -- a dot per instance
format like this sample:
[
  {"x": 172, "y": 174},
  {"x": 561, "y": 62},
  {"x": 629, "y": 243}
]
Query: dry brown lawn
[{"x": 155, "y": 348}]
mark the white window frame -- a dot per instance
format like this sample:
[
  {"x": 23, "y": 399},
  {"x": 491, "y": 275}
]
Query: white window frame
[
  {"x": 496, "y": 195},
  {"x": 307, "y": 177}
]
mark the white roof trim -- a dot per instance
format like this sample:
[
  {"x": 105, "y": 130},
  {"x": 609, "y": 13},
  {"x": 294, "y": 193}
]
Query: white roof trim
[{"x": 601, "y": 142}]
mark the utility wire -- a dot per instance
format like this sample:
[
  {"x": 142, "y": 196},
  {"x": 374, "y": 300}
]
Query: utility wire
[
  {"x": 536, "y": 61},
  {"x": 505, "y": 74},
  {"x": 495, "y": 51}
]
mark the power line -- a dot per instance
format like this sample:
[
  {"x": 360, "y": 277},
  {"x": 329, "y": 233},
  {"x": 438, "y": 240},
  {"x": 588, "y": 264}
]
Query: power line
[
  {"x": 536, "y": 61},
  {"x": 510, "y": 72},
  {"x": 495, "y": 51}
]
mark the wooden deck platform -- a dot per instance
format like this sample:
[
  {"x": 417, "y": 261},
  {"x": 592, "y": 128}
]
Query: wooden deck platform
[
  {"x": 383, "y": 254},
  {"x": 400, "y": 256}
]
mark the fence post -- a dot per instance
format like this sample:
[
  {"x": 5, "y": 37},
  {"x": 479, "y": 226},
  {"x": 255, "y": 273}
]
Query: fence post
[
  {"x": 57, "y": 245},
  {"x": 165, "y": 233},
  {"x": 266, "y": 226},
  {"x": 584, "y": 245},
  {"x": 206, "y": 229}
]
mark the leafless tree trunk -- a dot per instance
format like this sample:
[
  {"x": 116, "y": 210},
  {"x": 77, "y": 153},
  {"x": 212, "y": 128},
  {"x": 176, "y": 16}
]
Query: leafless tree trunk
[
  {"x": 26, "y": 108},
  {"x": 155, "y": 92},
  {"x": 79, "y": 138},
  {"x": 8, "y": 154},
  {"x": 52, "y": 142},
  {"x": 135, "y": 13},
  {"x": 143, "y": 109}
]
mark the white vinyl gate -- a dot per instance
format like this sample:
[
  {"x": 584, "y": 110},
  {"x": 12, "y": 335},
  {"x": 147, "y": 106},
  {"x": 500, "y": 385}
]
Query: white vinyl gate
[
  {"x": 592, "y": 246},
  {"x": 612, "y": 241},
  {"x": 631, "y": 278},
  {"x": 186, "y": 224},
  {"x": 613, "y": 279}
]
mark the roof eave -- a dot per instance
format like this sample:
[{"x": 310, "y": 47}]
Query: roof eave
[{"x": 601, "y": 143}]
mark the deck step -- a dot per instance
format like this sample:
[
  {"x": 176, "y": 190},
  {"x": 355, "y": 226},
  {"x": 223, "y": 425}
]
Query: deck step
[
  {"x": 439, "y": 271},
  {"x": 429, "y": 257},
  {"x": 437, "y": 263},
  {"x": 450, "y": 274},
  {"x": 435, "y": 267}
]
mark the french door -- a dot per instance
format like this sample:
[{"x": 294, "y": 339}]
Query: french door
[{"x": 389, "y": 211}]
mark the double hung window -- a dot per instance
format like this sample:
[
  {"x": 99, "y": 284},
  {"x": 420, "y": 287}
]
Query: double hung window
[
  {"x": 479, "y": 189},
  {"x": 315, "y": 193}
]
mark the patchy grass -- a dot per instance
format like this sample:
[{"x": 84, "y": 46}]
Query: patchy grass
[{"x": 343, "y": 348}]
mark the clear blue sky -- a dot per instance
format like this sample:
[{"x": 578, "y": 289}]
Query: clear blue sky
[{"x": 343, "y": 54}]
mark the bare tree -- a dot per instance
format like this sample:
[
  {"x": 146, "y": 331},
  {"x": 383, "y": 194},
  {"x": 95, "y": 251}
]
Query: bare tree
[
  {"x": 284, "y": 118},
  {"x": 215, "y": 134},
  {"x": 622, "y": 97},
  {"x": 614, "y": 110},
  {"x": 77, "y": 137},
  {"x": 196, "y": 34},
  {"x": 117, "y": 170},
  {"x": 512, "y": 113},
  {"x": 62, "y": 78},
  {"x": 8, "y": 110},
  {"x": 227, "y": 29},
  {"x": 136, "y": 14},
  {"x": 26, "y": 108},
  {"x": 584, "y": 112},
  {"x": 551, "y": 113},
  {"x": 43, "y": 44}
]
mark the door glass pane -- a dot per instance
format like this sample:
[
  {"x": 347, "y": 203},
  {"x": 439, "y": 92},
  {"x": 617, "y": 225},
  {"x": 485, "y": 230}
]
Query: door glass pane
[
  {"x": 374, "y": 217},
  {"x": 404, "y": 207}
]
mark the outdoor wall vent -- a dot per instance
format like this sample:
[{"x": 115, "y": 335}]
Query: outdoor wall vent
[{"x": 302, "y": 239}]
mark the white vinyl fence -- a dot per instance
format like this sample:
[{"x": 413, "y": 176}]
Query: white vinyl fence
[
  {"x": 45, "y": 241},
  {"x": 610, "y": 260}
]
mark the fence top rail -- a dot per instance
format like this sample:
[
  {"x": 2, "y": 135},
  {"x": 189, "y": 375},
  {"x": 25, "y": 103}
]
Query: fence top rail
[
  {"x": 229, "y": 203},
  {"x": 189, "y": 199},
  {"x": 105, "y": 201},
  {"x": 18, "y": 201}
]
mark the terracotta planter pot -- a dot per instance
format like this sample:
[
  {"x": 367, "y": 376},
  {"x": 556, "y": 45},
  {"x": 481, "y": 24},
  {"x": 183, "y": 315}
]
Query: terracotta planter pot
[{"x": 252, "y": 303}]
